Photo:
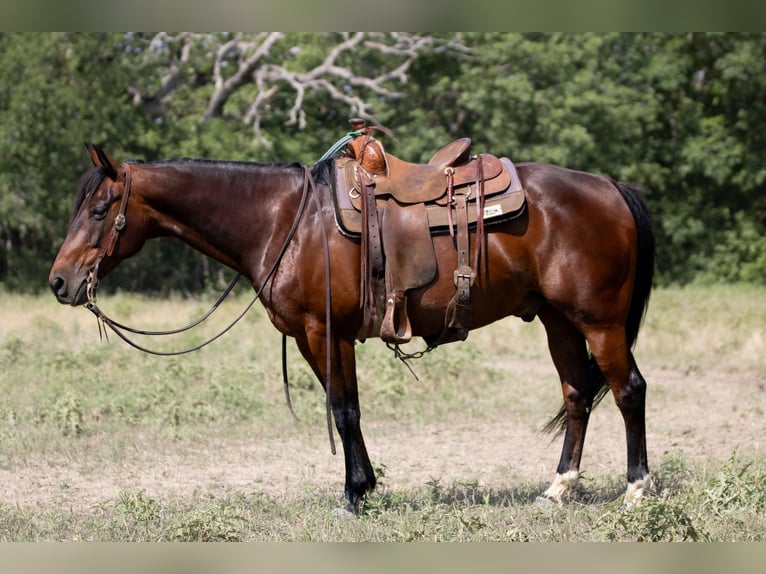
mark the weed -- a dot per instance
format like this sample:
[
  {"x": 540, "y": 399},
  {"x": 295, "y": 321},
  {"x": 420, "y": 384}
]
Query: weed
[
  {"x": 672, "y": 474},
  {"x": 738, "y": 485},
  {"x": 67, "y": 414},
  {"x": 220, "y": 524},
  {"x": 138, "y": 513},
  {"x": 658, "y": 519}
]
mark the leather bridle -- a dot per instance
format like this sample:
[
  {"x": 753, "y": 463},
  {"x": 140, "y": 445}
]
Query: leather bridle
[{"x": 107, "y": 249}]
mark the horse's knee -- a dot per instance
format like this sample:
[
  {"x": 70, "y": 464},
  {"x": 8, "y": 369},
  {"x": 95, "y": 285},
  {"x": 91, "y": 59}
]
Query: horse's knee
[
  {"x": 347, "y": 417},
  {"x": 578, "y": 402}
]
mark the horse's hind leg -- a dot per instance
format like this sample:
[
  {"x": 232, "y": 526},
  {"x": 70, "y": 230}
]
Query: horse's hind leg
[
  {"x": 344, "y": 401},
  {"x": 628, "y": 386},
  {"x": 579, "y": 387}
]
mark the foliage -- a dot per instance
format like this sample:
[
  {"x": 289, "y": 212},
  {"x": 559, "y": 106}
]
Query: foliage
[
  {"x": 681, "y": 114},
  {"x": 723, "y": 506},
  {"x": 58, "y": 91}
]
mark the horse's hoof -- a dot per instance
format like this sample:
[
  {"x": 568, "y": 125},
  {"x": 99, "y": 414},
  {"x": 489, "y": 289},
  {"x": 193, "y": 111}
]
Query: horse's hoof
[
  {"x": 545, "y": 502},
  {"x": 637, "y": 491},
  {"x": 343, "y": 514}
]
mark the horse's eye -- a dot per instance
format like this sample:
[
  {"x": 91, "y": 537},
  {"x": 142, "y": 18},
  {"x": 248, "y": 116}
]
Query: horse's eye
[{"x": 99, "y": 211}]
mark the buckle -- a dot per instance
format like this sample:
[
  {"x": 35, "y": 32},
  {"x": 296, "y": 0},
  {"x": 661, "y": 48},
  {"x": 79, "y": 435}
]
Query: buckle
[{"x": 463, "y": 273}]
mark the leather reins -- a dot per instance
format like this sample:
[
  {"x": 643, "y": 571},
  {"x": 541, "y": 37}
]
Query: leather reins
[{"x": 120, "y": 222}]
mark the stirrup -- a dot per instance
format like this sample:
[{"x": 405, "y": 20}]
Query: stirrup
[{"x": 396, "y": 327}]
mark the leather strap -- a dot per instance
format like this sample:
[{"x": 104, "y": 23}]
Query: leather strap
[
  {"x": 119, "y": 220},
  {"x": 450, "y": 173},
  {"x": 372, "y": 251},
  {"x": 479, "y": 214},
  {"x": 111, "y": 240},
  {"x": 464, "y": 274}
]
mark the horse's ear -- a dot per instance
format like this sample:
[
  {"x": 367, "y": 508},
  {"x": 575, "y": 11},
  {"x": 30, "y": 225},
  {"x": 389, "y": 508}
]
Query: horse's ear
[
  {"x": 102, "y": 159},
  {"x": 92, "y": 153}
]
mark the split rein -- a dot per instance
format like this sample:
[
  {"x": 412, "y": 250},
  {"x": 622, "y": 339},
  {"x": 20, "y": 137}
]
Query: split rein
[{"x": 119, "y": 329}]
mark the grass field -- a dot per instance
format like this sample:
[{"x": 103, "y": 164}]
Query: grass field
[{"x": 101, "y": 442}]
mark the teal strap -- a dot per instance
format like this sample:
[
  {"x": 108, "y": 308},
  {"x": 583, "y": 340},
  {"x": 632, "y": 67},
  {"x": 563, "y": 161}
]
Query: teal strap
[{"x": 340, "y": 144}]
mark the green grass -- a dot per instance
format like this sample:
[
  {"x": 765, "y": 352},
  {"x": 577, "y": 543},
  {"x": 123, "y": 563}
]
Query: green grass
[
  {"x": 699, "y": 328},
  {"x": 66, "y": 394},
  {"x": 59, "y": 379},
  {"x": 724, "y": 504}
]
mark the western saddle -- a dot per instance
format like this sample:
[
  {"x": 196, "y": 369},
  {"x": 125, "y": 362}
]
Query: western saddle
[{"x": 396, "y": 207}]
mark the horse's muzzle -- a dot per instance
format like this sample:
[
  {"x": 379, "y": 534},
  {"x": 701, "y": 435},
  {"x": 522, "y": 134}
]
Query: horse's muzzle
[{"x": 60, "y": 288}]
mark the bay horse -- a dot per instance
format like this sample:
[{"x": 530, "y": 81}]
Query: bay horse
[{"x": 580, "y": 258}]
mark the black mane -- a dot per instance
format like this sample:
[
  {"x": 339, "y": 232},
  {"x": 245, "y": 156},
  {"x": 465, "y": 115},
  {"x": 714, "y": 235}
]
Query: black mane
[
  {"x": 213, "y": 162},
  {"x": 322, "y": 171}
]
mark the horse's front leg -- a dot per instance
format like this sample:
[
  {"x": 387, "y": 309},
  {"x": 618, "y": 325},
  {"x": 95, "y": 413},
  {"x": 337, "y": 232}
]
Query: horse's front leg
[{"x": 344, "y": 401}]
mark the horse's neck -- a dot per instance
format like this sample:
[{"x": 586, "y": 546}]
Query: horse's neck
[{"x": 228, "y": 212}]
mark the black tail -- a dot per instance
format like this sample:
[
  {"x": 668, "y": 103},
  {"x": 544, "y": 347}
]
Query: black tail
[
  {"x": 645, "y": 260},
  {"x": 645, "y": 247}
]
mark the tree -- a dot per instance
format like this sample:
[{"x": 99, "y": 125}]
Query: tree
[
  {"x": 681, "y": 114},
  {"x": 56, "y": 91}
]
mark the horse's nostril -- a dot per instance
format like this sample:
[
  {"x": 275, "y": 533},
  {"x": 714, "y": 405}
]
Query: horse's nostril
[{"x": 57, "y": 284}]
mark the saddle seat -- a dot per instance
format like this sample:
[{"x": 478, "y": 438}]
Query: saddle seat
[
  {"x": 410, "y": 183},
  {"x": 397, "y": 208}
]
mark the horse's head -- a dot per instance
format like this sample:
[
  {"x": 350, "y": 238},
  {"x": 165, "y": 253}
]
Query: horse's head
[{"x": 103, "y": 231}]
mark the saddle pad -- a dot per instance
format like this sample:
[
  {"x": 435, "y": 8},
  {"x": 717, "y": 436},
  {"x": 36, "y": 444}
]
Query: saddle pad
[{"x": 497, "y": 208}]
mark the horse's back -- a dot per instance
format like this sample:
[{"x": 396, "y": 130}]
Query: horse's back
[{"x": 551, "y": 185}]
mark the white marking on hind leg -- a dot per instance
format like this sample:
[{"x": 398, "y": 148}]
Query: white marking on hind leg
[
  {"x": 562, "y": 485},
  {"x": 636, "y": 491}
]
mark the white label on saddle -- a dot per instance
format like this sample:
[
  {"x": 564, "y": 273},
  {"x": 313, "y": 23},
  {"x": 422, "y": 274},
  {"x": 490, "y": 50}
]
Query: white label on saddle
[{"x": 492, "y": 211}]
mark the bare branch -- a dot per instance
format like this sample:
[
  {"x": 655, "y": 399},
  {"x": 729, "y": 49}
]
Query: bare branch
[
  {"x": 245, "y": 60},
  {"x": 225, "y": 88}
]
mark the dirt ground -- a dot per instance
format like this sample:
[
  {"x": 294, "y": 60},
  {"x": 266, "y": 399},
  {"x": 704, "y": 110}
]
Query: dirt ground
[{"x": 702, "y": 417}]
